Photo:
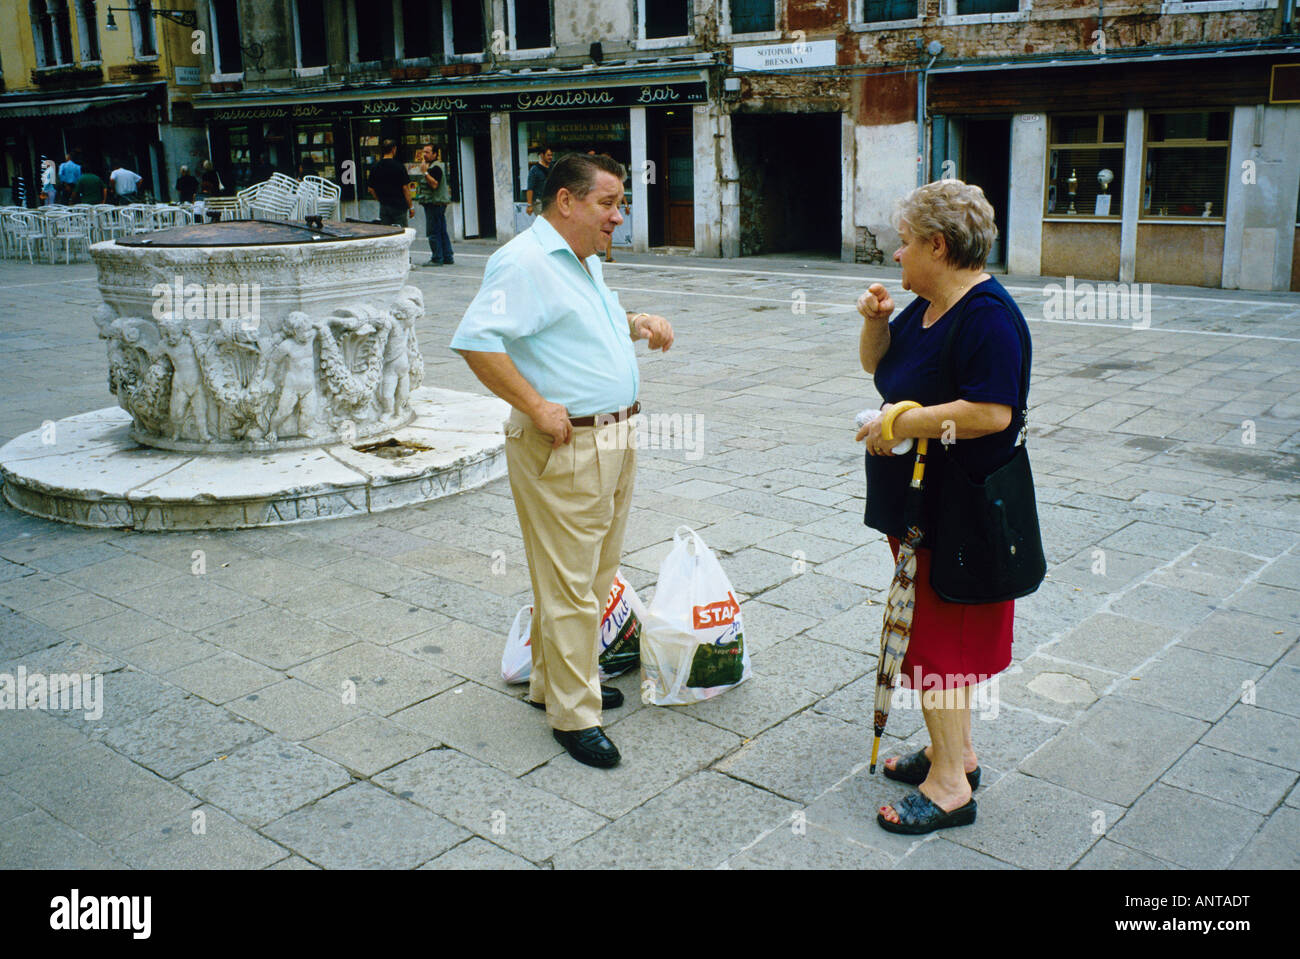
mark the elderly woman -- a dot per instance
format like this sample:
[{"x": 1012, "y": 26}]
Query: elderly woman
[{"x": 946, "y": 229}]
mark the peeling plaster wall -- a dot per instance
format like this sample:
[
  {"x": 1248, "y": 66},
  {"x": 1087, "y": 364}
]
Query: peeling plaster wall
[
  {"x": 580, "y": 23},
  {"x": 886, "y": 173}
]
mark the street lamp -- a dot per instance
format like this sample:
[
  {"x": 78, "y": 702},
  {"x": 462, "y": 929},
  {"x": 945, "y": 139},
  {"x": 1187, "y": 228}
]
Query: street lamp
[{"x": 186, "y": 18}]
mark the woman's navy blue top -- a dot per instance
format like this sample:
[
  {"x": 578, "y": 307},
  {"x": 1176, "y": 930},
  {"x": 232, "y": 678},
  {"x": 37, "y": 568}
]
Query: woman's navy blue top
[{"x": 986, "y": 357}]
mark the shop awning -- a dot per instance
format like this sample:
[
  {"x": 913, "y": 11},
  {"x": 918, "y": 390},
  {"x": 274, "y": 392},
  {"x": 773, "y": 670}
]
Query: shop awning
[{"x": 46, "y": 108}]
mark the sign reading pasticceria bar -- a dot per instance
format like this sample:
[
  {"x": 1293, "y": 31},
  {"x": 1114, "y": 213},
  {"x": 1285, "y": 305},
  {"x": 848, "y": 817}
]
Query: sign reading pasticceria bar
[{"x": 659, "y": 94}]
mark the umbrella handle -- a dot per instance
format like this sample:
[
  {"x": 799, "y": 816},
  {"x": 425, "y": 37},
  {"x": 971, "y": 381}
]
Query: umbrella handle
[{"x": 887, "y": 421}]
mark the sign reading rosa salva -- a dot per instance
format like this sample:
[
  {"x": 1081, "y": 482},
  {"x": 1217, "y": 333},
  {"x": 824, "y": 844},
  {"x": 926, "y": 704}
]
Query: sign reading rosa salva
[{"x": 785, "y": 56}]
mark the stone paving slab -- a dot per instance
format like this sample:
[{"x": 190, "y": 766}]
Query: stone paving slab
[
  {"x": 369, "y": 744},
  {"x": 478, "y": 854},
  {"x": 1231, "y": 778},
  {"x": 295, "y": 710},
  {"x": 364, "y": 827},
  {"x": 512, "y": 813},
  {"x": 1085, "y": 757},
  {"x": 1193, "y": 683},
  {"x": 1195, "y": 832},
  {"x": 182, "y": 736},
  {"x": 1276, "y": 845},
  {"x": 695, "y": 824},
  {"x": 265, "y": 780},
  {"x": 39, "y": 839},
  {"x": 205, "y": 838},
  {"x": 1258, "y": 733},
  {"x": 490, "y": 726},
  {"x": 98, "y": 793},
  {"x": 669, "y": 746},
  {"x": 383, "y": 680}
]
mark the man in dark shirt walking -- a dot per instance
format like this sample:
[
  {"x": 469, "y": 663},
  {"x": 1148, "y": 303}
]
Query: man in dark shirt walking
[
  {"x": 537, "y": 179},
  {"x": 390, "y": 185}
]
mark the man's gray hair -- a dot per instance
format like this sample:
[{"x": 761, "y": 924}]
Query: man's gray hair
[{"x": 960, "y": 212}]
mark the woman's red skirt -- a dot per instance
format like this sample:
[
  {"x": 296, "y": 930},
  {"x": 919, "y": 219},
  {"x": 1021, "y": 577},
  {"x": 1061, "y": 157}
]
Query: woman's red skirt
[{"x": 953, "y": 644}]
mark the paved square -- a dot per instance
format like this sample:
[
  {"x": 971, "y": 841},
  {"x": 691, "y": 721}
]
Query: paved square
[{"x": 328, "y": 694}]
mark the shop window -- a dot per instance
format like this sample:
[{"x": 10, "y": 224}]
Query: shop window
[
  {"x": 52, "y": 32},
  {"x": 880, "y": 11},
  {"x": 665, "y": 18},
  {"x": 225, "y": 28},
  {"x": 466, "y": 20},
  {"x": 310, "y": 18},
  {"x": 372, "y": 38},
  {"x": 1186, "y": 169},
  {"x": 753, "y": 16},
  {"x": 1085, "y": 165},
  {"x": 530, "y": 24},
  {"x": 88, "y": 30},
  {"x": 146, "y": 44},
  {"x": 968, "y": 7}
]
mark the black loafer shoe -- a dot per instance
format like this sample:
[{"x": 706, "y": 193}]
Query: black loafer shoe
[
  {"x": 589, "y": 746},
  {"x": 610, "y": 698}
]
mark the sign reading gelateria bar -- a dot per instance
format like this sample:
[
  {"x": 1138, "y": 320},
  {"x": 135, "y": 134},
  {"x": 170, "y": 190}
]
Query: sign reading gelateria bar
[{"x": 521, "y": 101}]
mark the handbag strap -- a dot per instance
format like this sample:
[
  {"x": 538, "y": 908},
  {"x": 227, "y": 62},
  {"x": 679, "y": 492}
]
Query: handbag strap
[{"x": 948, "y": 366}]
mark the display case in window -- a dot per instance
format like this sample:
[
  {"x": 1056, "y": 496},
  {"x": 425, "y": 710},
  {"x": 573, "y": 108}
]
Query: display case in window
[
  {"x": 1085, "y": 165},
  {"x": 1185, "y": 172},
  {"x": 314, "y": 150}
]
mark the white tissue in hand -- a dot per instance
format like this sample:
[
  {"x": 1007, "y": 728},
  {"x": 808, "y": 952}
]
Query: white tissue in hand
[{"x": 867, "y": 416}]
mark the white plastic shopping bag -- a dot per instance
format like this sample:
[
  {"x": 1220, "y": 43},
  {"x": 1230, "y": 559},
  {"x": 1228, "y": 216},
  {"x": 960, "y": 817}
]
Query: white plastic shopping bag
[
  {"x": 517, "y": 659},
  {"x": 619, "y": 637},
  {"x": 693, "y": 643}
]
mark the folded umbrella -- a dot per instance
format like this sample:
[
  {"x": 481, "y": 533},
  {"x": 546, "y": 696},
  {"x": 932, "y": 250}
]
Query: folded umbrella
[{"x": 897, "y": 630}]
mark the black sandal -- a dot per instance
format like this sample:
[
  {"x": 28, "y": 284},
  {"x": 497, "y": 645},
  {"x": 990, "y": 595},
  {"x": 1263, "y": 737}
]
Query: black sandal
[
  {"x": 914, "y": 768},
  {"x": 917, "y": 815}
]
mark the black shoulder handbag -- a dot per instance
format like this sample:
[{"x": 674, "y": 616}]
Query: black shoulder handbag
[{"x": 986, "y": 546}]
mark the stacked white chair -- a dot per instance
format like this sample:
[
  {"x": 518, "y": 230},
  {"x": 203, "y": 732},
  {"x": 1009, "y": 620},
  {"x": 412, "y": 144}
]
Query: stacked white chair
[
  {"x": 69, "y": 228},
  {"x": 321, "y": 197},
  {"x": 27, "y": 232}
]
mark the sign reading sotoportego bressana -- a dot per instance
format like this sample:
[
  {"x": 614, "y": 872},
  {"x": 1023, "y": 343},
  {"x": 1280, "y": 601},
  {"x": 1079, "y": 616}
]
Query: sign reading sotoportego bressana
[{"x": 785, "y": 56}]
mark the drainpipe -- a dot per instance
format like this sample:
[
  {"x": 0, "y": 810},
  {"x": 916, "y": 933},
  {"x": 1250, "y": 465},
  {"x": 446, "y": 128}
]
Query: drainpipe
[{"x": 934, "y": 48}]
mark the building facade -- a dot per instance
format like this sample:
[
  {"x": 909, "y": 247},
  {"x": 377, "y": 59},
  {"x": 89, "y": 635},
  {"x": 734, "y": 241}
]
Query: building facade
[
  {"x": 1148, "y": 142},
  {"x": 110, "y": 84}
]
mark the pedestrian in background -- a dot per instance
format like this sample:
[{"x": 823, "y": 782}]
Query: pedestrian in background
[
  {"x": 49, "y": 181},
  {"x": 946, "y": 230},
  {"x": 537, "y": 174},
  {"x": 390, "y": 184},
  {"x": 547, "y": 335},
  {"x": 90, "y": 188},
  {"x": 433, "y": 193},
  {"x": 126, "y": 184},
  {"x": 187, "y": 185},
  {"x": 69, "y": 174}
]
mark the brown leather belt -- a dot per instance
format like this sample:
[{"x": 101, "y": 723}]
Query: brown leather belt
[{"x": 606, "y": 418}]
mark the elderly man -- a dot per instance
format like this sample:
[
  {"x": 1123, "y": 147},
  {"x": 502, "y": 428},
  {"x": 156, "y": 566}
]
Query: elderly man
[{"x": 549, "y": 337}]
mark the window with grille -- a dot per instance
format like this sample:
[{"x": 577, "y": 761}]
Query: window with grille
[
  {"x": 1186, "y": 168},
  {"x": 753, "y": 16},
  {"x": 1085, "y": 165},
  {"x": 879, "y": 11}
]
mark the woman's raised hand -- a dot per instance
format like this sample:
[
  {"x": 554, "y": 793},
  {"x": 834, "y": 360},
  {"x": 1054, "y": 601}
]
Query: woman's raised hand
[{"x": 875, "y": 304}]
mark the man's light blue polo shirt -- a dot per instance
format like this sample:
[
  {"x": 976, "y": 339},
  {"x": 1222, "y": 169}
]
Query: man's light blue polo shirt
[
  {"x": 69, "y": 172},
  {"x": 563, "y": 328}
]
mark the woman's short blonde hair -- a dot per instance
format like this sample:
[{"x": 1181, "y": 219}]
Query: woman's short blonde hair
[{"x": 960, "y": 212}]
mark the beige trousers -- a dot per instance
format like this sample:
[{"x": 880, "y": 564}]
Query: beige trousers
[{"x": 573, "y": 504}]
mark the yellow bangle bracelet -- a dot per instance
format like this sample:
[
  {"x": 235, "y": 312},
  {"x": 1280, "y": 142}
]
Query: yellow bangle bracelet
[{"x": 887, "y": 423}]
